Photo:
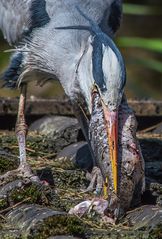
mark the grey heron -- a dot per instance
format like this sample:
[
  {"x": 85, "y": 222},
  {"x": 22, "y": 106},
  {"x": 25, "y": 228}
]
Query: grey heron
[{"x": 71, "y": 41}]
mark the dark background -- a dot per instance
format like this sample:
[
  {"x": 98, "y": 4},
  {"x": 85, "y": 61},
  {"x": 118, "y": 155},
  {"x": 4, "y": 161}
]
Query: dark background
[{"x": 140, "y": 41}]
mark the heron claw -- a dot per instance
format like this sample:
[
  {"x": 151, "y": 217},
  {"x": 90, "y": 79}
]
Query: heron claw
[
  {"x": 23, "y": 171},
  {"x": 96, "y": 181}
]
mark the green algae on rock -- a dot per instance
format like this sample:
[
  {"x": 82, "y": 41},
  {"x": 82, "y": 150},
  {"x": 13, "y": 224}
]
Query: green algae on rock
[{"x": 41, "y": 222}]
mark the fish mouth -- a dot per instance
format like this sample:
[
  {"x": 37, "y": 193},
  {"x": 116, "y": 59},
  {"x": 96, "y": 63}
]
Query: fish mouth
[{"x": 103, "y": 133}]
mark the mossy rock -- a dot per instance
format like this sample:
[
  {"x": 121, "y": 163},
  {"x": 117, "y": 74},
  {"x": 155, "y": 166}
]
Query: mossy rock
[
  {"x": 69, "y": 178},
  {"x": 37, "y": 144},
  {"x": 7, "y": 164},
  {"x": 37, "y": 222},
  {"x": 3, "y": 203},
  {"x": 20, "y": 191}
]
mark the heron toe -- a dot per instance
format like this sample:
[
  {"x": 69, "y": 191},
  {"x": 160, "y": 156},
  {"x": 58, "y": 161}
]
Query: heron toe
[
  {"x": 96, "y": 181},
  {"x": 23, "y": 171}
]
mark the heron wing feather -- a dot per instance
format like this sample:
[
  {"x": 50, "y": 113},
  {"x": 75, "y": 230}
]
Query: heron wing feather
[
  {"x": 18, "y": 18},
  {"x": 107, "y": 13}
]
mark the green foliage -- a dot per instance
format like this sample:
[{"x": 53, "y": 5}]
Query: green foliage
[
  {"x": 152, "y": 64},
  {"x": 136, "y": 9},
  {"x": 154, "y": 45},
  {"x": 140, "y": 41},
  {"x": 146, "y": 44}
]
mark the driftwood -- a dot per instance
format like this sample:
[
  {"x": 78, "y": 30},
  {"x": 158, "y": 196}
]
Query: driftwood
[
  {"x": 148, "y": 112},
  {"x": 63, "y": 107},
  {"x": 29, "y": 210}
]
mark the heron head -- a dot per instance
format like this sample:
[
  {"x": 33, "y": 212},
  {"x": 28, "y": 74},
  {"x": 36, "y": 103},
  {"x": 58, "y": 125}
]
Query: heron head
[
  {"x": 108, "y": 71},
  {"x": 109, "y": 76}
]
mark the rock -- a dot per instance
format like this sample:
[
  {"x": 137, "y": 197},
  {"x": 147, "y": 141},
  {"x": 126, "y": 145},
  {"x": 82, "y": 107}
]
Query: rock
[
  {"x": 151, "y": 146},
  {"x": 4, "y": 190},
  {"x": 8, "y": 161},
  {"x": 42, "y": 222},
  {"x": 35, "y": 221},
  {"x": 70, "y": 151},
  {"x": 23, "y": 190},
  {"x": 147, "y": 216},
  {"x": 83, "y": 158},
  {"x": 76, "y": 154},
  {"x": 156, "y": 191},
  {"x": 154, "y": 170},
  {"x": 10, "y": 233},
  {"x": 63, "y": 237},
  {"x": 58, "y": 127}
]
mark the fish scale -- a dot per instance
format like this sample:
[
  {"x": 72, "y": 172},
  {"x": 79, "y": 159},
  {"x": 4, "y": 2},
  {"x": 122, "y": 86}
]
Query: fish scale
[{"x": 98, "y": 138}]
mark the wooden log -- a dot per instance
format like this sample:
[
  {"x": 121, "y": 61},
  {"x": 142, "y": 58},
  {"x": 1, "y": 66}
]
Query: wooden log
[{"x": 63, "y": 107}]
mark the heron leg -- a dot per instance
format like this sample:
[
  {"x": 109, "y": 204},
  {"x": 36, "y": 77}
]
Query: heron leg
[
  {"x": 21, "y": 132},
  {"x": 24, "y": 169}
]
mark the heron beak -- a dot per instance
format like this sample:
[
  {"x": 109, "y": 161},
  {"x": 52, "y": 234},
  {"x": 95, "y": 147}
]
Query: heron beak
[{"x": 111, "y": 120}]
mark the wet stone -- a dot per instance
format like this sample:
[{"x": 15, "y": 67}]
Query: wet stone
[
  {"x": 54, "y": 127},
  {"x": 8, "y": 161},
  {"x": 64, "y": 237},
  {"x": 76, "y": 155},
  {"x": 42, "y": 222},
  {"x": 23, "y": 190},
  {"x": 147, "y": 216},
  {"x": 158, "y": 129},
  {"x": 10, "y": 233}
]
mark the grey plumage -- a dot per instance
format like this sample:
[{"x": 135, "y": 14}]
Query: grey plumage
[
  {"x": 78, "y": 59},
  {"x": 19, "y": 18},
  {"x": 70, "y": 47}
]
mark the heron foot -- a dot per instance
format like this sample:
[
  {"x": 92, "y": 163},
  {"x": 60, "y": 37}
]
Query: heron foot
[
  {"x": 96, "y": 181},
  {"x": 23, "y": 171}
]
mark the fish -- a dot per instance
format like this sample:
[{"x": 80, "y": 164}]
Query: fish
[{"x": 130, "y": 162}]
